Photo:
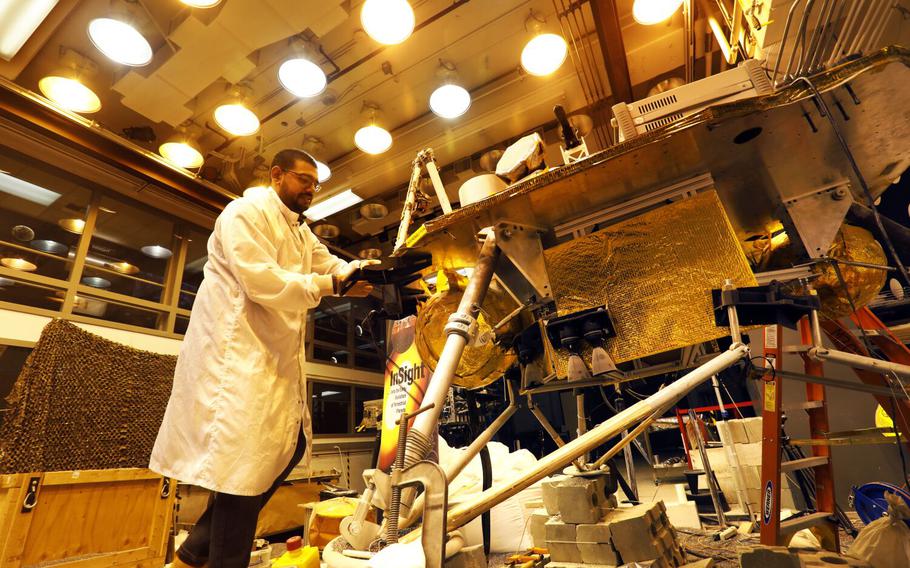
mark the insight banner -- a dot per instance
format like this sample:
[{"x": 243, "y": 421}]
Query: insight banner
[{"x": 406, "y": 381}]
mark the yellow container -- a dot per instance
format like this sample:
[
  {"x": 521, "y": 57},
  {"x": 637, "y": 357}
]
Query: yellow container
[{"x": 297, "y": 556}]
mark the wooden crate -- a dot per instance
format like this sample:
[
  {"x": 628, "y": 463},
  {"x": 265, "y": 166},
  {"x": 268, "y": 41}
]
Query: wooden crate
[{"x": 85, "y": 519}]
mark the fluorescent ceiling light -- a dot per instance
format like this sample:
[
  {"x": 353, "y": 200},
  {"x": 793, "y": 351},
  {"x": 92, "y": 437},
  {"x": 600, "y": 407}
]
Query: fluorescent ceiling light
[
  {"x": 18, "y": 21},
  {"x": 28, "y": 191},
  {"x": 373, "y": 139},
  {"x": 323, "y": 172},
  {"x": 650, "y": 12},
  {"x": 120, "y": 41},
  {"x": 237, "y": 119},
  {"x": 387, "y": 21},
  {"x": 70, "y": 94},
  {"x": 302, "y": 77},
  {"x": 450, "y": 101},
  {"x": 332, "y": 205},
  {"x": 330, "y": 393},
  {"x": 201, "y": 3},
  {"x": 544, "y": 54}
]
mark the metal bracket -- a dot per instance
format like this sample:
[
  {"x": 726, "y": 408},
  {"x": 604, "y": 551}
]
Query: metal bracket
[
  {"x": 31, "y": 495},
  {"x": 436, "y": 503},
  {"x": 817, "y": 216},
  {"x": 521, "y": 245}
]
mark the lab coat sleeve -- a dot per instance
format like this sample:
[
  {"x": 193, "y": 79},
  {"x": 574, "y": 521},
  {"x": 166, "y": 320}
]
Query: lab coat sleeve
[
  {"x": 251, "y": 256},
  {"x": 324, "y": 262}
]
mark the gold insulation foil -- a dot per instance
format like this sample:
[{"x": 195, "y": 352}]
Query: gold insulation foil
[
  {"x": 858, "y": 245},
  {"x": 655, "y": 273},
  {"x": 482, "y": 362}
]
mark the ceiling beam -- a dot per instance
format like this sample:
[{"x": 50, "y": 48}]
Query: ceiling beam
[{"x": 609, "y": 36}]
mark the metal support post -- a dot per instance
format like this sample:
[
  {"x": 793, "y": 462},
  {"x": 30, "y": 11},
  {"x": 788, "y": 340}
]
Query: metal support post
[{"x": 709, "y": 472}]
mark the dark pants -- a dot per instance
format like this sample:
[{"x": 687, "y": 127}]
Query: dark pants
[{"x": 223, "y": 535}]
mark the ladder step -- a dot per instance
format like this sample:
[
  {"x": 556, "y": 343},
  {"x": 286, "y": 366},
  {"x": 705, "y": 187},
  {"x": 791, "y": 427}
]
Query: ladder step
[
  {"x": 806, "y": 521},
  {"x": 808, "y": 405},
  {"x": 804, "y": 463}
]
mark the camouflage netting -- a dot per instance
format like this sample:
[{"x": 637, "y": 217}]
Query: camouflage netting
[{"x": 84, "y": 402}]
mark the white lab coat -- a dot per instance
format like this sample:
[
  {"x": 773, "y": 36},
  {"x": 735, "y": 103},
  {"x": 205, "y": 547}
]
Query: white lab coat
[{"x": 239, "y": 394}]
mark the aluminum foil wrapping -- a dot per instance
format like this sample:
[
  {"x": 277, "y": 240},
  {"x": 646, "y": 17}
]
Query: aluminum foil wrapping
[
  {"x": 655, "y": 273},
  {"x": 484, "y": 361},
  {"x": 858, "y": 245}
]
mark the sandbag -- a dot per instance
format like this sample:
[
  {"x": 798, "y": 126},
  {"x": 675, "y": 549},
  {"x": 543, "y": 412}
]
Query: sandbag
[{"x": 885, "y": 542}]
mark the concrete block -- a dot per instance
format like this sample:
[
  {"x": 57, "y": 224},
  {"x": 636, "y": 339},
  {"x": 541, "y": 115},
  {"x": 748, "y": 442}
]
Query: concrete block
[
  {"x": 749, "y": 454},
  {"x": 558, "y": 531},
  {"x": 468, "y": 557},
  {"x": 579, "y": 499},
  {"x": 703, "y": 563},
  {"x": 642, "y": 533},
  {"x": 597, "y": 533},
  {"x": 538, "y": 527},
  {"x": 561, "y": 541},
  {"x": 826, "y": 559},
  {"x": 599, "y": 553},
  {"x": 768, "y": 557},
  {"x": 737, "y": 432},
  {"x": 548, "y": 490},
  {"x": 684, "y": 515},
  {"x": 753, "y": 429}
]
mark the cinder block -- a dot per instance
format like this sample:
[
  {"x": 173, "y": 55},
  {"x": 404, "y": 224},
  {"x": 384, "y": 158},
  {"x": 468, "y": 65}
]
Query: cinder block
[
  {"x": 599, "y": 553},
  {"x": 737, "y": 432},
  {"x": 768, "y": 557},
  {"x": 749, "y": 454},
  {"x": 579, "y": 499},
  {"x": 538, "y": 528},
  {"x": 596, "y": 533},
  {"x": 684, "y": 515},
  {"x": 826, "y": 559},
  {"x": 561, "y": 541},
  {"x": 548, "y": 490},
  {"x": 642, "y": 533},
  {"x": 468, "y": 557},
  {"x": 752, "y": 428},
  {"x": 557, "y": 530},
  {"x": 703, "y": 563}
]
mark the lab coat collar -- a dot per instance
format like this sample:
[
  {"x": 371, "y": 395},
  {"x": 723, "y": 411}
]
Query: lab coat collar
[{"x": 272, "y": 195}]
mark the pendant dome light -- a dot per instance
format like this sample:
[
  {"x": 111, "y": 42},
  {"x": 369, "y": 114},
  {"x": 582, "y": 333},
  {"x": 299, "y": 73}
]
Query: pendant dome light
[
  {"x": 546, "y": 51},
  {"x": 120, "y": 41},
  {"x": 372, "y": 139},
  {"x": 234, "y": 116},
  {"x": 650, "y": 12},
  {"x": 181, "y": 150},
  {"x": 315, "y": 147},
  {"x": 301, "y": 77},
  {"x": 66, "y": 86},
  {"x": 389, "y": 22},
  {"x": 449, "y": 100}
]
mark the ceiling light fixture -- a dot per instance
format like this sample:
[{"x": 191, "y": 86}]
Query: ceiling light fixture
[
  {"x": 374, "y": 211},
  {"x": 546, "y": 51},
  {"x": 389, "y": 22},
  {"x": 650, "y": 12},
  {"x": 51, "y": 247},
  {"x": 327, "y": 231},
  {"x": 18, "y": 21},
  {"x": 120, "y": 42},
  {"x": 201, "y": 3},
  {"x": 156, "y": 251},
  {"x": 70, "y": 94},
  {"x": 123, "y": 267},
  {"x": 302, "y": 78},
  {"x": 75, "y": 226},
  {"x": 236, "y": 119},
  {"x": 544, "y": 54},
  {"x": 332, "y": 205},
  {"x": 181, "y": 154},
  {"x": 28, "y": 191},
  {"x": 314, "y": 147},
  {"x": 96, "y": 282},
  {"x": 18, "y": 264},
  {"x": 372, "y": 139},
  {"x": 450, "y": 100}
]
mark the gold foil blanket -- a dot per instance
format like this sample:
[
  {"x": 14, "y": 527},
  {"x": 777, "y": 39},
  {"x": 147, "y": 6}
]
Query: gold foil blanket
[{"x": 655, "y": 273}]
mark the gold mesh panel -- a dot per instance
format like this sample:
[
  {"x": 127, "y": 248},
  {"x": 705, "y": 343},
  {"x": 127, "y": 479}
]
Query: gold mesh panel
[{"x": 655, "y": 273}]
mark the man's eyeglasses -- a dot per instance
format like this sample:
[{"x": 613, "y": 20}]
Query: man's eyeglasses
[{"x": 305, "y": 179}]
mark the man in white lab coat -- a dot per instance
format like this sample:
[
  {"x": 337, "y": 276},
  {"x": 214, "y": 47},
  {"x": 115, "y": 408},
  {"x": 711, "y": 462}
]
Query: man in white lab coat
[{"x": 237, "y": 421}]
